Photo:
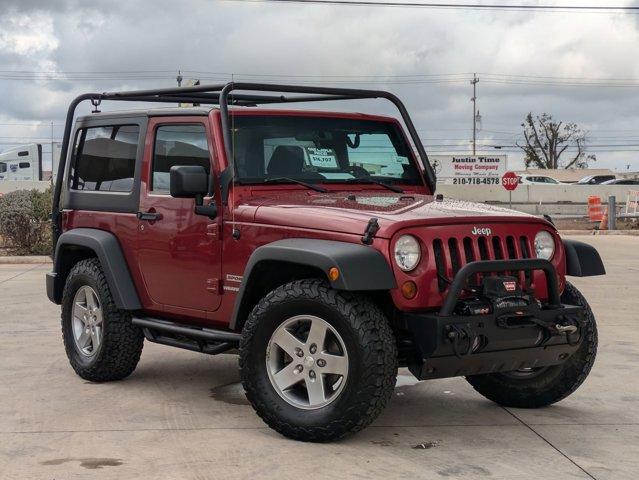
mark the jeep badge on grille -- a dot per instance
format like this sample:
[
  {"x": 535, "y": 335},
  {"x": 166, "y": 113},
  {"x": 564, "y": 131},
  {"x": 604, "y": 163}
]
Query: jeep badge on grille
[{"x": 481, "y": 231}]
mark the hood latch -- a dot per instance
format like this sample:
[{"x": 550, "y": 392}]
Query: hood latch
[{"x": 370, "y": 231}]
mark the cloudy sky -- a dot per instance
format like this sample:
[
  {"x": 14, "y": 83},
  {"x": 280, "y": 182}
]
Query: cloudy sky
[{"x": 579, "y": 67}]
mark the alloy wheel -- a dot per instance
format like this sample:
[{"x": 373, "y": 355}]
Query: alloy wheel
[
  {"x": 307, "y": 362},
  {"x": 88, "y": 329}
]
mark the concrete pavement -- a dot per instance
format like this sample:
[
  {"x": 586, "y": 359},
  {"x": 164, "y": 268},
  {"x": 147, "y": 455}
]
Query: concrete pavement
[{"x": 183, "y": 415}]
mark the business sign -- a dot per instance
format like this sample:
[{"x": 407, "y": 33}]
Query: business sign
[{"x": 469, "y": 169}]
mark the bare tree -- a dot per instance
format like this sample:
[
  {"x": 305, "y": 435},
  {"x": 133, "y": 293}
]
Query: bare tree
[{"x": 547, "y": 140}]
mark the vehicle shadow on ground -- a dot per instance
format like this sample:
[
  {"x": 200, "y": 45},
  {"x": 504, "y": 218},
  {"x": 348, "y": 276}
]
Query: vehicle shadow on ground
[{"x": 211, "y": 384}]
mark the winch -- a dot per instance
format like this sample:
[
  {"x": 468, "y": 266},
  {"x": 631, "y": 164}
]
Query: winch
[
  {"x": 500, "y": 304},
  {"x": 497, "y": 293}
]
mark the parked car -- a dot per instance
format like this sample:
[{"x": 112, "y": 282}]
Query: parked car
[
  {"x": 595, "y": 179},
  {"x": 281, "y": 234},
  {"x": 525, "y": 179},
  {"x": 622, "y": 181}
]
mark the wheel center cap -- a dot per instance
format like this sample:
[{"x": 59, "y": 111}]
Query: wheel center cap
[{"x": 309, "y": 361}]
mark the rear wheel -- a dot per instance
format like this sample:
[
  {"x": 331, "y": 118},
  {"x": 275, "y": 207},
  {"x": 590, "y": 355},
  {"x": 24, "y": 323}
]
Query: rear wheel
[
  {"x": 538, "y": 387},
  {"x": 317, "y": 364},
  {"x": 101, "y": 342}
]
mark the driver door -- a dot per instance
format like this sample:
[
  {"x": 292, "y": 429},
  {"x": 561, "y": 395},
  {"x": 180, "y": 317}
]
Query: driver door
[{"x": 178, "y": 251}]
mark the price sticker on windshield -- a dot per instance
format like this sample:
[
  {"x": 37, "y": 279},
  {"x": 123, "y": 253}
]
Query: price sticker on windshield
[{"x": 322, "y": 157}]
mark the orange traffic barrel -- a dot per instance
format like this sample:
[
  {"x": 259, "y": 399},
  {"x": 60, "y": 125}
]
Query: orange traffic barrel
[{"x": 595, "y": 212}]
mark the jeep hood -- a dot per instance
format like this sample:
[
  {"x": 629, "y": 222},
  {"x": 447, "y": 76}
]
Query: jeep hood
[{"x": 350, "y": 212}]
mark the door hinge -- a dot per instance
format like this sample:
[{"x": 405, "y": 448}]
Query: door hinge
[{"x": 213, "y": 285}]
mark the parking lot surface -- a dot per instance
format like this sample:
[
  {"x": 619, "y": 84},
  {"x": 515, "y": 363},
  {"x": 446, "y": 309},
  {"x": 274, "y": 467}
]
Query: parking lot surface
[{"x": 183, "y": 415}]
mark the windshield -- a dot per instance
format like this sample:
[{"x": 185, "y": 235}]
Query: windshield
[{"x": 316, "y": 149}]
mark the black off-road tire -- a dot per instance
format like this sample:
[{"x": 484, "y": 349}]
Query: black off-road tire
[
  {"x": 552, "y": 384},
  {"x": 372, "y": 354},
  {"x": 122, "y": 342}
]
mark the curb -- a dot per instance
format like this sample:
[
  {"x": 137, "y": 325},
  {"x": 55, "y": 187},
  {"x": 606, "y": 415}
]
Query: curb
[
  {"x": 27, "y": 259},
  {"x": 630, "y": 233}
]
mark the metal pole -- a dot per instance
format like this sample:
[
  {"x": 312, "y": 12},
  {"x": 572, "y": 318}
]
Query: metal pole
[
  {"x": 474, "y": 99},
  {"x": 52, "y": 154},
  {"x": 510, "y": 198},
  {"x": 612, "y": 212}
]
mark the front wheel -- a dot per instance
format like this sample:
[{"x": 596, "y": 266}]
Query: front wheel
[
  {"x": 538, "y": 387},
  {"x": 317, "y": 364}
]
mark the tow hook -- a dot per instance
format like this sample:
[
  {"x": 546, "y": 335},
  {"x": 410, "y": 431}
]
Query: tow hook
[
  {"x": 565, "y": 328},
  {"x": 463, "y": 339}
]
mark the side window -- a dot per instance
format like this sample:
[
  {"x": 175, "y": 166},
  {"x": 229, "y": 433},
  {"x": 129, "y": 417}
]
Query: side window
[
  {"x": 177, "y": 145},
  {"x": 105, "y": 158},
  {"x": 3, "y": 167}
]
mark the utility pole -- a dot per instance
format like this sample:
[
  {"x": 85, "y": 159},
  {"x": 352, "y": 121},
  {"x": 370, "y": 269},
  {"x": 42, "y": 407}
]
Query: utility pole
[
  {"x": 52, "y": 154},
  {"x": 474, "y": 82}
]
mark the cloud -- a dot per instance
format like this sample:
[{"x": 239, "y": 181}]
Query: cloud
[{"x": 306, "y": 43}]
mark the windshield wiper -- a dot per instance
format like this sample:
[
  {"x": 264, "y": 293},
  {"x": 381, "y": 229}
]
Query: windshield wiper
[
  {"x": 376, "y": 182},
  {"x": 299, "y": 182}
]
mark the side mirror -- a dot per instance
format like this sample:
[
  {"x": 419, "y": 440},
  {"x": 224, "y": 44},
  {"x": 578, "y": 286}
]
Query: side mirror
[
  {"x": 189, "y": 181},
  {"x": 192, "y": 181}
]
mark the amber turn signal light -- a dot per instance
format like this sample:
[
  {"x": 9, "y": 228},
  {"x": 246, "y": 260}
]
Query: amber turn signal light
[
  {"x": 333, "y": 274},
  {"x": 409, "y": 289}
]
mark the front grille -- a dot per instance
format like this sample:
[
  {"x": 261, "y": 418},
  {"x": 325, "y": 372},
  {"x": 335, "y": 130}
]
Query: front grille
[{"x": 452, "y": 254}]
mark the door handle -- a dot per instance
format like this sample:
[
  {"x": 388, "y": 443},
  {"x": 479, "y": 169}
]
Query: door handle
[{"x": 149, "y": 216}]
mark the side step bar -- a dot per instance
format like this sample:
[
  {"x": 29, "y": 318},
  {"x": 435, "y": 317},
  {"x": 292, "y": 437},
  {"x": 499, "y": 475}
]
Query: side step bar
[{"x": 205, "y": 340}]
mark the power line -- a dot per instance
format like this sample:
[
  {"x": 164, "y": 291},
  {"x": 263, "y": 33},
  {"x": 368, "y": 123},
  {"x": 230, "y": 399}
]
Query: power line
[
  {"x": 406, "y": 79},
  {"x": 459, "y": 6}
]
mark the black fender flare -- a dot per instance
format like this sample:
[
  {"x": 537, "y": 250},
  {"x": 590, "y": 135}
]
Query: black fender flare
[
  {"x": 361, "y": 267},
  {"x": 106, "y": 247},
  {"x": 582, "y": 260}
]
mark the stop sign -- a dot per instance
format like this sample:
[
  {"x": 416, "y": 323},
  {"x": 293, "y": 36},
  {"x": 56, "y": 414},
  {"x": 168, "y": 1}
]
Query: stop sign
[{"x": 510, "y": 181}]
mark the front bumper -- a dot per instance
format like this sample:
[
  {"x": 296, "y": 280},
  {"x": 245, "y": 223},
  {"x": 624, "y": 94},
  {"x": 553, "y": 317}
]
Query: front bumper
[{"x": 450, "y": 344}]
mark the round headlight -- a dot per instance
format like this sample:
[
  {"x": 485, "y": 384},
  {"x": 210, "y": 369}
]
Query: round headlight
[
  {"x": 407, "y": 252},
  {"x": 544, "y": 245}
]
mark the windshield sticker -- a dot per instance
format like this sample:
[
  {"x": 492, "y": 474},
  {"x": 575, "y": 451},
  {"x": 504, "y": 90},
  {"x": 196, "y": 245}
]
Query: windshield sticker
[{"x": 322, "y": 157}]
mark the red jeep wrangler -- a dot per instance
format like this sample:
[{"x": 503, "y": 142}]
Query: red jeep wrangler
[{"x": 314, "y": 243}]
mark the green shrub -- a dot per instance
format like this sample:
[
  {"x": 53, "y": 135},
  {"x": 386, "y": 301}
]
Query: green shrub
[{"x": 24, "y": 221}]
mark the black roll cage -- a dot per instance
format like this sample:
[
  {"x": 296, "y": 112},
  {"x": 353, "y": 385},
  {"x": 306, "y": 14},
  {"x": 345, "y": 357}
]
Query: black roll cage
[{"x": 223, "y": 95}]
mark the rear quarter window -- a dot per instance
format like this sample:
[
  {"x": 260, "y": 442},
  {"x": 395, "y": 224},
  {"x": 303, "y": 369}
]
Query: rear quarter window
[
  {"x": 105, "y": 158},
  {"x": 105, "y": 164}
]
